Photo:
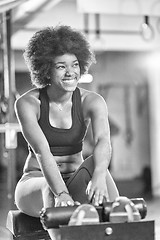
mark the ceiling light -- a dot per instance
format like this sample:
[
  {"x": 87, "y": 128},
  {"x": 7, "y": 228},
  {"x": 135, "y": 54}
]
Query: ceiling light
[
  {"x": 86, "y": 78},
  {"x": 147, "y": 31}
]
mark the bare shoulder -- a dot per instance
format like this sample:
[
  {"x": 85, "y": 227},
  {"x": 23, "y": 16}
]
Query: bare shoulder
[
  {"x": 30, "y": 96},
  {"x": 28, "y": 101},
  {"x": 91, "y": 98},
  {"x": 93, "y": 104}
]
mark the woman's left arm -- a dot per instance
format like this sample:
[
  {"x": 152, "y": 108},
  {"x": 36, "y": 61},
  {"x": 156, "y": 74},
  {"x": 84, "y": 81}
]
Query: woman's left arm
[{"x": 98, "y": 113}]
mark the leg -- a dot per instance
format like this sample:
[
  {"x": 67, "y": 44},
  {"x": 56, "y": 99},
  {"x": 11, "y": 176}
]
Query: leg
[
  {"x": 32, "y": 194},
  {"x": 77, "y": 184}
]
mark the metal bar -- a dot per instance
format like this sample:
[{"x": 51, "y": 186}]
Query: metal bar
[
  {"x": 9, "y": 95},
  {"x": 6, "y": 5},
  {"x": 87, "y": 31},
  {"x": 6, "y": 57},
  {"x": 9, "y": 126},
  {"x": 86, "y": 23},
  {"x": 97, "y": 24}
]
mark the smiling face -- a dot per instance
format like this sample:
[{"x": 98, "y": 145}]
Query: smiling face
[{"x": 65, "y": 72}]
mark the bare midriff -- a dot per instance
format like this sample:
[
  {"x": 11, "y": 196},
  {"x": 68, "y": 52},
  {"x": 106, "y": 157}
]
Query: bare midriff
[{"x": 67, "y": 164}]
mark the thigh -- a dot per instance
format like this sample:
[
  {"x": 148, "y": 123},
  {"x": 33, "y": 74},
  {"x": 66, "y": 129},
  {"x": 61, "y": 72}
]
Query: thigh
[
  {"x": 111, "y": 186},
  {"x": 28, "y": 193},
  {"x": 77, "y": 184}
]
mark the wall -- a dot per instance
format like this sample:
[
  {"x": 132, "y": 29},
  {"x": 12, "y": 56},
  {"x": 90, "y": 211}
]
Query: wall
[{"x": 124, "y": 84}]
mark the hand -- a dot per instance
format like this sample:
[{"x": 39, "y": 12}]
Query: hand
[
  {"x": 97, "y": 190},
  {"x": 65, "y": 200}
]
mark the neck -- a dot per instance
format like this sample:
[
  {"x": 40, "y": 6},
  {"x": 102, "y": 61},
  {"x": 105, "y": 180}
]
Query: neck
[{"x": 59, "y": 97}]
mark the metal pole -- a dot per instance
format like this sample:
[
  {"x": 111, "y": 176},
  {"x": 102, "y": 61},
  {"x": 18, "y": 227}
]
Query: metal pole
[{"x": 9, "y": 85}]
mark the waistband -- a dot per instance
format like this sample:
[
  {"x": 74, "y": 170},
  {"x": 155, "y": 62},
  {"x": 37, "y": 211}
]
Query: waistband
[{"x": 66, "y": 150}]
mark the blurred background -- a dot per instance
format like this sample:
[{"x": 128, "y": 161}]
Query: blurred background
[{"x": 125, "y": 35}]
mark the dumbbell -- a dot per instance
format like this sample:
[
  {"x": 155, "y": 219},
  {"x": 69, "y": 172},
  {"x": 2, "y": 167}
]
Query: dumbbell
[
  {"x": 115, "y": 211},
  {"x": 56, "y": 216}
]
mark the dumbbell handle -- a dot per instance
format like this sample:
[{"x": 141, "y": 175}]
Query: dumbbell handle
[
  {"x": 56, "y": 216},
  {"x": 139, "y": 204}
]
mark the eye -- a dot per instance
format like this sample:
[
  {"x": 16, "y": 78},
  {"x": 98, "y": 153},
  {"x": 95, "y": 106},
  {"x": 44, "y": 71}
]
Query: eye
[
  {"x": 60, "y": 67},
  {"x": 76, "y": 64}
]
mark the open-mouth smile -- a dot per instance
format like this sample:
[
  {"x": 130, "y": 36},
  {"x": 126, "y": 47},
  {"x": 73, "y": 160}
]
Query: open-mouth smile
[{"x": 69, "y": 80}]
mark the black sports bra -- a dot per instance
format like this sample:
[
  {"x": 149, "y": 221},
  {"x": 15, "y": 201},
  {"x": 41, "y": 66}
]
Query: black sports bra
[{"x": 63, "y": 142}]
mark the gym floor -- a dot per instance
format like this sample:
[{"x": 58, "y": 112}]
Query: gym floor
[{"x": 153, "y": 204}]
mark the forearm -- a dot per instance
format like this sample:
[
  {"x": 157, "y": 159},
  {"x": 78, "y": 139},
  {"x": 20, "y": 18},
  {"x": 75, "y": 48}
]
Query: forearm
[
  {"x": 51, "y": 172},
  {"x": 97, "y": 188},
  {"x": 102, "y": 155}
]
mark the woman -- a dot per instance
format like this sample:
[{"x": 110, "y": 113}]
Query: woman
[{"x": 54, "y": 118}]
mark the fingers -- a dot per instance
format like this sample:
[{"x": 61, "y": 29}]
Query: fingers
[
  {"x": 91, "y": 195},
  {"x": 97, "y": 193},
  {"x": 97, "y": 197},
  {"x": 90, "y": 191},
  {"x": 67, "y": 203},
  {"x": 77, "y": 203}
]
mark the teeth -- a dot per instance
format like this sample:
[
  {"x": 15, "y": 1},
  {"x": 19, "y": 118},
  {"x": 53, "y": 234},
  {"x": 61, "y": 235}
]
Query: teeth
[{"x": 72, "y": 80}]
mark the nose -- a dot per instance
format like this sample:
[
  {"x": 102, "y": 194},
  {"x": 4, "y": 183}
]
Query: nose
[{"x": 69, "y": 71}]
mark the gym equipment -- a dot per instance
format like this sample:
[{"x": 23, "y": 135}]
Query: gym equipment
[
  {"x": 53, "y": 217},
  {"x": 24, "y": 227},
  {"x": 10, "y": 130},
  {"x": 83, "y": 215},
  {"x": 30, "y": 228},
  {"x": 124, "y": 210}
]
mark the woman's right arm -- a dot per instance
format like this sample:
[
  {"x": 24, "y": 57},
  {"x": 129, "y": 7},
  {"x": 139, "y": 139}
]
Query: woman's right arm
[{"x": 27, "y": 111}]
